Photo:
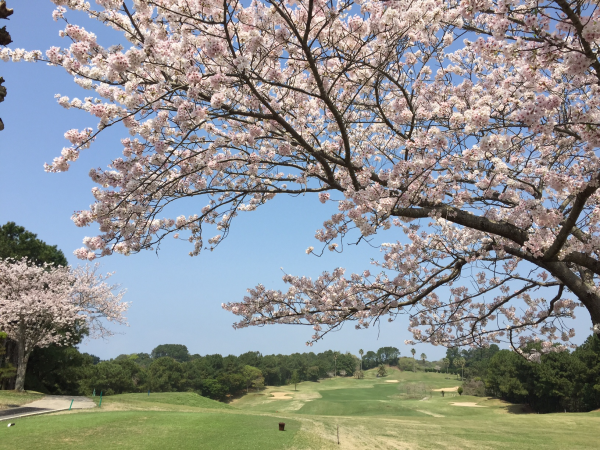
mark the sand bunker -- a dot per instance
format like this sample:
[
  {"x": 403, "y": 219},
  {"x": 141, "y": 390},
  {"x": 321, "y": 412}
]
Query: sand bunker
[
  {"x": 280, "y": 396},
  {"x": 468, "y": 404},
  {"x": 392, "y": 381},
  {"x": 450, "y": 389}
]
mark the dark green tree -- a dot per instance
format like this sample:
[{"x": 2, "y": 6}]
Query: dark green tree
[
  {"x": 388, "y": 355},
  {"x": 176, "y": 351},
  {"x": 16, "y": 242},
  {"x": 370, "y": 360},
  {"x": 58, "y": 370},
  {"x": 295, "y": 379},
  {"x": 165, "y": 375},
  {"x": 251, "y": 374},
  {"x": 313, "y": 373}
]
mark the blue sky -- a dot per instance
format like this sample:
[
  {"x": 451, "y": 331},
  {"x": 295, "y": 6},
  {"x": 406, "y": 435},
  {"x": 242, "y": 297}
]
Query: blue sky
[{"x": 174, "y": 298}]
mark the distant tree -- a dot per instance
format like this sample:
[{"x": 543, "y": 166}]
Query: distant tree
[
  {"x": 370, "y": 360},
  {"x": 335, "y": 358},
  {"x": 423, "y": 357},
  {"x": 460, "y": 362},
  {"x": 446, "y": 363},
  {"x": 388, "y": 355},
  {"x": 343, "y": 372},
  {"x": 361, "y": 353},
  {"x": 115, "y": 377},
  {"x": 358, "y": 373},
  {"x": 381, "y": 371},
  {"x": 330, "y": 374},
  {"x": 313, "y": 373},
  {"x": 460, "y": 390},
  {"x": 250, "y": 374},
  {"x": 413, "y": 351},
  {"x": 437, "y": 368},
  {"x": 213, "y": 389},
  {"x": 258, "y": 383},
  {"x": 452, "y": 354},
  {"x": 176, "y": 351},
  {"x": 165, "y": 375},
  {"x": 253, "y": 359},
  {"x": 295, "y": 379}
]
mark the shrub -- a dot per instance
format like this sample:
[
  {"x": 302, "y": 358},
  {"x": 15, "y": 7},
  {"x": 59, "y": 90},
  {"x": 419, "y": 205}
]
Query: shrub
[{"x": 474, "y": 387}]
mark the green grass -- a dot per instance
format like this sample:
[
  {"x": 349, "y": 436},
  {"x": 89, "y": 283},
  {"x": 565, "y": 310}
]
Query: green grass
[
  {"x": 375, "y": 401},
  {"x": 18, "y": 398},
  {"x": 369, "y": 413},
  {"x": 148, "y": 430}
]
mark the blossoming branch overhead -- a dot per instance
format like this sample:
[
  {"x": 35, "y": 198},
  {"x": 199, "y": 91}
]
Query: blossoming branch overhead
[
  {"x": 5, "y": 39},
  {"x": 470, "y": 127}
]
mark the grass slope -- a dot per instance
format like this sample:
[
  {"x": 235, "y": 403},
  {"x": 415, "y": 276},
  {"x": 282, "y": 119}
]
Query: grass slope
[{"x": 176, "y": 399}]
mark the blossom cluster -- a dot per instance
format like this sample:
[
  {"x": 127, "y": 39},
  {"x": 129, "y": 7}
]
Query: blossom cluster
[{"x": 487, "y": 145}]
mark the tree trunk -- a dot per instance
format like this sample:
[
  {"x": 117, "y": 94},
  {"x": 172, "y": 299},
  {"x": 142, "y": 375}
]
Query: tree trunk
[
  {"x": 10, "y": 358},
  {"x": 23, "y": 358}
]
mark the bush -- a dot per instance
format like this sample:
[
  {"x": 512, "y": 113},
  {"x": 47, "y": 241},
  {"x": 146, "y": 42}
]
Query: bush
[
  {"x": 474, "y": 387},
  {"x": 460, "y": 390}
]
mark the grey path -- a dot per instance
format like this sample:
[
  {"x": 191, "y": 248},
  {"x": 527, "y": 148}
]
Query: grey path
[{"x": 48, "y": 404}]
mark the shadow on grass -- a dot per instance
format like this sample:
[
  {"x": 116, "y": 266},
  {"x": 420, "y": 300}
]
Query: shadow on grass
[{"x": 518, "y": 409}]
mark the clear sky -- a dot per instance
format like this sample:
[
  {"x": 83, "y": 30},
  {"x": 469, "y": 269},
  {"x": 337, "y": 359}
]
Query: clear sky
[{"x": 174, "y": 298}]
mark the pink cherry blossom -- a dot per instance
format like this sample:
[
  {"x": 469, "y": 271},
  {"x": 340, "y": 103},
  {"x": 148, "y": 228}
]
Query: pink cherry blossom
[
  {"x": 481, "y": 152},
  {"x": 39, "y": 303}
]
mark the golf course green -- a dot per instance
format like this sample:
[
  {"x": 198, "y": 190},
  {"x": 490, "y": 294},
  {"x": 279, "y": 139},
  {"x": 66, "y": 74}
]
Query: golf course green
[{"x": 403, "y": 410}]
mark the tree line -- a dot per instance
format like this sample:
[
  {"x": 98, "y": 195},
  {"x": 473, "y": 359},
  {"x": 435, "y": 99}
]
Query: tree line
[
  {"x": 171, "y": 368},
  {"x": 560, "y": 382}
]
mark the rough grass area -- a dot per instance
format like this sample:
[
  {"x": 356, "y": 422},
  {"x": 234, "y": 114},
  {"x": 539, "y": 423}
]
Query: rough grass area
[{"x": 8, "y": 398}]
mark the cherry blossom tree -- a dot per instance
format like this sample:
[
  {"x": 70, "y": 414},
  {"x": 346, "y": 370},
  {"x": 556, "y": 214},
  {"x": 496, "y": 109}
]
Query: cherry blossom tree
[
  {"x": 470, "y": 127},
  {"x": 97, "y": 300},
  {"x": 43, "y": 305}
]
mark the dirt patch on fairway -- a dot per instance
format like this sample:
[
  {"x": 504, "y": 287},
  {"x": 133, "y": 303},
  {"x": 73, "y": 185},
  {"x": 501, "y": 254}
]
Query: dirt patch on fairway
[
  {"x": 468, "y": 404},
  {"x": 392, "y": 381},
  {"x": 355, "y": 436},
  {"x": 450, "y": 389},
  {"x": 280, "y": 396}
]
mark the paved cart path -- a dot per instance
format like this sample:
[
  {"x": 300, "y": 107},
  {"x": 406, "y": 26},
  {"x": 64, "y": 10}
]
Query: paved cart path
[{"x": 48, "y": 404}]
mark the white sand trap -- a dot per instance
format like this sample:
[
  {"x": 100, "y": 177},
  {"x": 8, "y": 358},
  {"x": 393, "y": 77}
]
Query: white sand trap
[
  {"x": 280, "y": 396},
  {"x": 392, "y": 381},
  {"x": 468, "y": 405},
  {"x": 450, "y": 389}
]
